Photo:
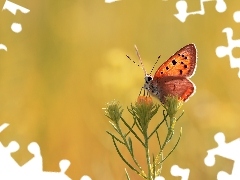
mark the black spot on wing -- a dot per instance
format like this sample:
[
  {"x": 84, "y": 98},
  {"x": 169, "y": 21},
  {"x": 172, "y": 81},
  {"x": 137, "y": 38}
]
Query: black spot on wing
[{"x": 174, "y": 62}]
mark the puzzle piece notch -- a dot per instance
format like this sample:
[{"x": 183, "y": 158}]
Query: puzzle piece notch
[
  {"x": 227, "y": 150},
  {"x": 34, "y": 168},
  {"x": 7, "y": 163},
  {"x": 16, "y": 27},
  {"x": 222, "y": 51},
  {"x": 182, "y": 6},
  {"x": 85, "y": 177},
  {"x": 44, "y": 175},
  {"x": 63, "y": 164},
  {"x": 221, "y": 6},
  {"x": 35, "y": 164},
  {"x": 210, "y": 159},
  {"x": 177, "y": 171},
  {"x": 236, "y": 16}
]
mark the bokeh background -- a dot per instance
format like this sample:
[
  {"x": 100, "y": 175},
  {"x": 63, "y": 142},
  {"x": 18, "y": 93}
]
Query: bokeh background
[{"x": 69, "y": 61}]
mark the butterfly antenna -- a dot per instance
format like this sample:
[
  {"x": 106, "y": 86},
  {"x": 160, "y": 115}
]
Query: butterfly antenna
[
  {"x": 132, "y": 60},
  {"x": 155, "y": 64},
  {"x": 142, "y": 66}
]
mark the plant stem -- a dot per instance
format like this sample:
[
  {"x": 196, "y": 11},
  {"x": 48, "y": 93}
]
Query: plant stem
[{"x": 147, "y": 155}]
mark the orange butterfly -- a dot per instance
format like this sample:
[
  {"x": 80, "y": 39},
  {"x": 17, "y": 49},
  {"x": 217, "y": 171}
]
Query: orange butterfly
[{"x": 172, "y": 77}]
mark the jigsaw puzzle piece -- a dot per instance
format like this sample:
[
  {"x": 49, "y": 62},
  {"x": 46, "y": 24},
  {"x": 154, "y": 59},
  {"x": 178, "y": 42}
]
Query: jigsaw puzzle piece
[
  {"x": 35, "y": 164},
  {"x": 182, "y": 6},
  {"x": 35, "y": 173},
  {"x": 33, "y": 169},
  {"x": 63, "y": 164},
  {"x": 182, "y": 15},
  {"x": 12, "y": 7},
  {"x": 7, "y": 163},
  {"x": 227, "y": 150},
  {"x": 225, "y": 176},
  {"x": 222, "y": 51}
]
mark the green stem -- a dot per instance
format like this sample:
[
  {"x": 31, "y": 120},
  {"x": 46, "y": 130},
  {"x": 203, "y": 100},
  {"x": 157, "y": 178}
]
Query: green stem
[
  {"x": 174, "y": 146},
  {"x": 147, "y": 155},
  {"x": 170, "y": 132}
]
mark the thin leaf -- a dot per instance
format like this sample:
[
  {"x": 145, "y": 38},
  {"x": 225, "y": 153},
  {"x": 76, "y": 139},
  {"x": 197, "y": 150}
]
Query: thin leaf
[
  {"x": 131, "y": 128},
  {"x": 174, "y": 146},
  {"x": 115, "y": 137},
  {"x": 124, "y": 160},
  {"x": 159, "y": 143},
  {"x": 133, "y": 132},
  {"x": 130, "y": 145},
  {"x": 180, "y": 116},
  {"x": 155, "y": 129}
]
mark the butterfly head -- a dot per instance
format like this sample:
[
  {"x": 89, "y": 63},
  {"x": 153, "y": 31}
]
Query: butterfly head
[
  {"x": 148, "y": 79},
  {"x": 150, "y": 86}
]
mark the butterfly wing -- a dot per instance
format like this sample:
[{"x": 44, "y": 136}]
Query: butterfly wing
[
  {"x": 182, "y": 63},
  {"x": 181, "y": 87}
]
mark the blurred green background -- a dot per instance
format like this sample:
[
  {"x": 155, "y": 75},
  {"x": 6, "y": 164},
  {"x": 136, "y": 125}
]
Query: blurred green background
[{"x": 69, "y": 61}]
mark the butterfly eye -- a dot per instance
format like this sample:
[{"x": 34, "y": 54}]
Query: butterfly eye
[{"x": 149, "y": 78}]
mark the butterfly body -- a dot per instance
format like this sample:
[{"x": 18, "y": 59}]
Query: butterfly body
[{"x": 172, "y": 77}]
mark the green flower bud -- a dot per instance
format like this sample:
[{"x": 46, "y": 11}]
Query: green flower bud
[
  {"x": 113, "y": 111},
  {"x": 172, "y": 105},
  {"x": 143, "y": 111}
]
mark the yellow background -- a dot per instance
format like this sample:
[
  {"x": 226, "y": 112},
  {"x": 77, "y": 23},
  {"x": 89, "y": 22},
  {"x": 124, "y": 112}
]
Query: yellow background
[{"x": 69, "y": 61}]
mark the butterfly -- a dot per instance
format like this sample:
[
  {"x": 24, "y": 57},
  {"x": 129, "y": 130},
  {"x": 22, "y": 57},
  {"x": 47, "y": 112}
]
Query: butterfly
[{"x": 172, "y": 77}]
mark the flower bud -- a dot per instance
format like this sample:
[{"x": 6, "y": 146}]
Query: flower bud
[
  {"x": 113, "y": 111},
  {"x": 143, "y": 111},
  {"x": 172, "y": 105}
]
